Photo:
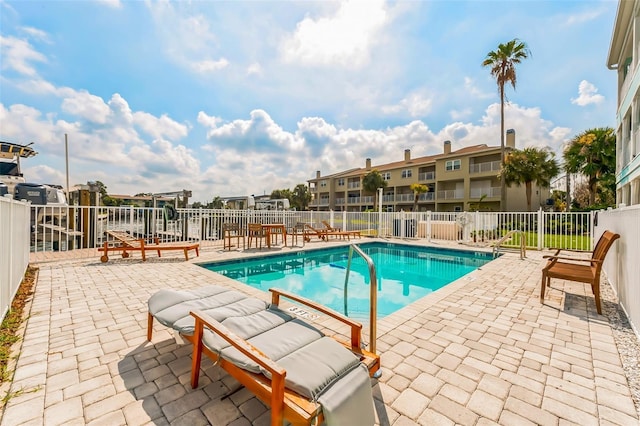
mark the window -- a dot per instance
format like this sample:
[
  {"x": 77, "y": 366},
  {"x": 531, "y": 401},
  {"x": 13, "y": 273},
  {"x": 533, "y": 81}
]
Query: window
[
  {"x": 323, "y": 183},
  {"x": 452, "y": 165},
  {"x": 341, "y": 182},
  {"x": 386, "y": 176},
  {"x": 406, "y": 173}
]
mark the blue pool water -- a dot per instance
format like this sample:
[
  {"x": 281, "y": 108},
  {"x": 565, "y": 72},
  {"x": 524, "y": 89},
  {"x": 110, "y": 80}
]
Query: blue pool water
[{"x": 405, "y": 274}]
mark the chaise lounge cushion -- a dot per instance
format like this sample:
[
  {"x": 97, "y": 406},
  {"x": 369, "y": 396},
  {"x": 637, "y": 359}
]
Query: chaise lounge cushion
[
  {"x": 293, "y": 344},
  {"x": 172, "y": 307}
]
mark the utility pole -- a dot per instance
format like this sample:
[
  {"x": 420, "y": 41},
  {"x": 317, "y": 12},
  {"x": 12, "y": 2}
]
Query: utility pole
[{"x": 568, "y": 190}]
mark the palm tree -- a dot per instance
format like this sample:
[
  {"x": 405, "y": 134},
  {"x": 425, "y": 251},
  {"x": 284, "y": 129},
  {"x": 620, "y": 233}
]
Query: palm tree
[
  {"x": 417, "y": 189},
  {"x": 371, "y": 182},
  {"x": 502, "y": 62},
  {"x": 301, "y": 196},
  {"x": 593, "y": 153},
  {"x": 527, "y": 166}
]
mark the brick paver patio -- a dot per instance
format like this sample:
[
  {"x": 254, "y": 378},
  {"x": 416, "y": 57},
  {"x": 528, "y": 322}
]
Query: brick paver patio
[{"x": 481, "y": 351}]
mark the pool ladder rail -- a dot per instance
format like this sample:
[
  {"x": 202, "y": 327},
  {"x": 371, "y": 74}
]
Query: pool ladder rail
[
  {"x": 373, "y": 295},
  {"x": 509, "y": 235}
]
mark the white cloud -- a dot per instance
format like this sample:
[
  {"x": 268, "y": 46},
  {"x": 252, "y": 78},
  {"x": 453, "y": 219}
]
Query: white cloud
[
  {"x": 160, "y": 127},
  {"x": 588, "y": 15},
  {"x": 254, "y": 69},
  {"x": 344, "y": 38},
  {"x": 587, "y": 94},
  {"x": 473, "y": 90},
  {"x": 415, "y": 104},
  {"x": 116, "y": 4},
  {"x": 85, "y": 105},
  {"x": 18, "y": 55},
  {"x": 187, "y": 38}
]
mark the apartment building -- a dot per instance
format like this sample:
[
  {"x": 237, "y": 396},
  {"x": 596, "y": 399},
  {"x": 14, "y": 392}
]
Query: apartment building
[
  {"x": 461, "y": 180},
  {"x": 624, "y": 57}
]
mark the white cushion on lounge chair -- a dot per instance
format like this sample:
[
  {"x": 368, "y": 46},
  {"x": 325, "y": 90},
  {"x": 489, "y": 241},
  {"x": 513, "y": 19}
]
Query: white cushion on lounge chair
[
  {"x": 172, "y": 307},
  {"x": 312, "y": 361}
]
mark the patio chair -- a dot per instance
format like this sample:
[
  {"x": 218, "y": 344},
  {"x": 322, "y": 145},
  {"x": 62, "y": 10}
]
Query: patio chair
[
  {"x": 124, "y": 242},
  {"x": 256, "y": 232},
  {"x": 297, "y": 230},
  {"x": 579, "y": 269},
  {"x": 303, "y": 375},
  {"x": 230, "y": 231}
]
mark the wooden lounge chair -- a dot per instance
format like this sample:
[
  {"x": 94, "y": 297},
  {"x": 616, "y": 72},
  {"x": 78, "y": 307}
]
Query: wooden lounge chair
[
  {"x": 124, "y": 242},
  {"x": 241, "y": 333},
  {"x": 324, "y": 234},
  {"x": 330, "y": 228},
  {"x": 579, "y": 269}
]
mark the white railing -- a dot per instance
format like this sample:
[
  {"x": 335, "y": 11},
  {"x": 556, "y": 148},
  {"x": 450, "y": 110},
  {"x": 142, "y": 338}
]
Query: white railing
[
  {"x": 427, "y": 176},
  {"x": 339, "y": 201},
  {"x": 353, "y": 185},
  {"x": 427, "y": 196},
  {"x": 404, "y": 198},
  {"x": 621, "y": 265},
  {"x": 70, "y": 228},
  {"x": 14, "y": 246},
  {"x": 493, "y": 191},
  {"x": 491, "y": 166},
  {"x": 451, "y": 194}
]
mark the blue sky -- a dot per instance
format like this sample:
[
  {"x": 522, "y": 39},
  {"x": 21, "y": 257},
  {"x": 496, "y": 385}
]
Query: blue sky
[{"x": 243, "y": 97}]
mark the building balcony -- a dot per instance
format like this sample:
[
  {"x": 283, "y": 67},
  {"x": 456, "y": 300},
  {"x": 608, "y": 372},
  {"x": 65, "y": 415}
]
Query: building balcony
[
  {"x": 451, "y": 194},
  {"x": 490, "y": 192},
  {"x": 426, "y": 176},
  {"x": 353, "y": 200},
  {"x": 427, "y": 196},
  {"x": 403, "y": 198},
  {"x": 339, "y": 201},
  {"x": 490, "y": 166},
  {"x": 353, "y": 185}
]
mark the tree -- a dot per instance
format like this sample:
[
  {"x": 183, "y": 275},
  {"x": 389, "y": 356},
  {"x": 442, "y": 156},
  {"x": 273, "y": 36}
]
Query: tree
[
  {"x": 217, "y": 203},
  {"x": 417, "y": 189},
  {"x": 527, "y": 166},
  {"x": 593, "y": 153},
  {"x": 371, "y": 182},
  {"x": 502, "y": 62},
  {"x": 277, "y": 194},
  {"x": 301, "y": 197}
]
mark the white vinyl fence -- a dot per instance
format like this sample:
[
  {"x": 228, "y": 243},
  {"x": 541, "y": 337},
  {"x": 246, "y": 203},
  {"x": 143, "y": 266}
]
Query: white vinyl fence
[
  {"x": 70, "y": 228},
  {"x": 622, "y": 265},
  {"x": 14, "y": 249}
]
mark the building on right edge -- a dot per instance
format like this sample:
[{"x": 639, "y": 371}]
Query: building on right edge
[{"x": 624, "y": 56}]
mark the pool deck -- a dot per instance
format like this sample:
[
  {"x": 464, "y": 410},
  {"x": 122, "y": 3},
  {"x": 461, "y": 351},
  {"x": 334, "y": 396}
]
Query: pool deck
[{"x": 481, "y": 351}]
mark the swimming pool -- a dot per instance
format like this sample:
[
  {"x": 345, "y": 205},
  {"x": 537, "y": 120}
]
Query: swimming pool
[{"x": 405, "y": 273}]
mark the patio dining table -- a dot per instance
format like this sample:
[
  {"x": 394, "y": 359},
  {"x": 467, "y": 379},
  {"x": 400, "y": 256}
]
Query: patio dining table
[{"x": 275, "y": 229}]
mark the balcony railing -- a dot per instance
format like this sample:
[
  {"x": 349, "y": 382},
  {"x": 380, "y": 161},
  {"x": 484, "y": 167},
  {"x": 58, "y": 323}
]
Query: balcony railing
[
  {"x": 339, "y": 201},
  {"x": 403, "y": 198},
  {"x": 493, "y": 191},
  {"x": 451, "y": 194},
  {"x": 353, "y": 185},
  {"x": 427, "y": 196},
  {"x": 491, "y": 166},
  {"x": 427, "y": 176},
  {"x": 353, "y": 200}
]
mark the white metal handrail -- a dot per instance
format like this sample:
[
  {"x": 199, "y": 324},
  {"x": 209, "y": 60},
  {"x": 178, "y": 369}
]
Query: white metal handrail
[
  {"x": 373, "y": 293},
  {"x": 508, "y": 235}
]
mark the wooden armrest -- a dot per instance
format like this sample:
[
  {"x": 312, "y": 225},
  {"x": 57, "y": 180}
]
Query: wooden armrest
[
  {"x": 576, "y": 259},
  {"x": 356, "y": 327},
  {"x": 202, "y": 319}
]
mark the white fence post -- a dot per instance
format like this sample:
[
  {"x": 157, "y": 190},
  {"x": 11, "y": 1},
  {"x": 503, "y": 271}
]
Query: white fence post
[{"x": 541, "y": 228}]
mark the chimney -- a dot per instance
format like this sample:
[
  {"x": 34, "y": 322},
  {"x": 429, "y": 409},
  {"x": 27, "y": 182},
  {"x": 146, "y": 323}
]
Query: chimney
[
  {"x": 368, "y": 166},
  {"x": 407, "y": 155},
  {"x": 511, "y": 138},
  {"x": 447, "y": 147},
  {"x": 317, "y": 174}
]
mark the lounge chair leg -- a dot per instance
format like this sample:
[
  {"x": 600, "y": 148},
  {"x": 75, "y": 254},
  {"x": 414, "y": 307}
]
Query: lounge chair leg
[
  {"x": 596, "y": 294},
  {"x": 542, "y": 284},
  {"x": 149, "y": 326},
  {"x": 196, "y": 358},
  {"x": 186, "y": 254}
]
